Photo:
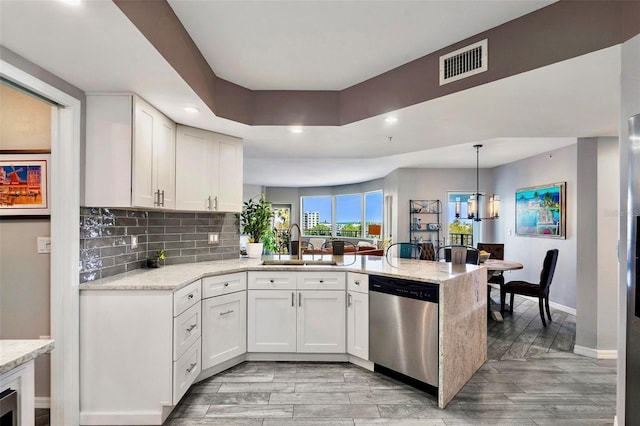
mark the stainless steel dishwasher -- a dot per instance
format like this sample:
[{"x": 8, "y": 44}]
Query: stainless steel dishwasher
[{"x": 403, "y": 319}]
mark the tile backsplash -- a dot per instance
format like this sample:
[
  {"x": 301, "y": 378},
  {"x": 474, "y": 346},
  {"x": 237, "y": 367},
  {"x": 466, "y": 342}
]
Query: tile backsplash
[{"x": 105, "y": 239}]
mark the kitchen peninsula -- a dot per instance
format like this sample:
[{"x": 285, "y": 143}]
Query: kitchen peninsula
[{"x": 151, "y": 331}]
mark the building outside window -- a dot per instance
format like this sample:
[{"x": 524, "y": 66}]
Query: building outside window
[{"x": 316, "y": 216}]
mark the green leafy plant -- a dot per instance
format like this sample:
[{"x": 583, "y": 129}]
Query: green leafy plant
[
  {"x": 255, "y": 218},
  {"x": 159, "y": 255}
]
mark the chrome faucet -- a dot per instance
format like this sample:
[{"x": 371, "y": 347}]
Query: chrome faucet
[{"x": 299, "y": 238}]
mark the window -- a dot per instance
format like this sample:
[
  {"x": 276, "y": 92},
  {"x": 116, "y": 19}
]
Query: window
[
  {"x": 460, "y": 228},
  {"x": 354, "y": 215},
  {"x": 316, "y": 216},
  {"x": 349, "y": 215},
  {"x": 373, "y": 214}
]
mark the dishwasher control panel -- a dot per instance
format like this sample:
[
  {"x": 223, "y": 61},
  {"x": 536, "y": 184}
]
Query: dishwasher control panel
[{"x": 404, "y": 288}]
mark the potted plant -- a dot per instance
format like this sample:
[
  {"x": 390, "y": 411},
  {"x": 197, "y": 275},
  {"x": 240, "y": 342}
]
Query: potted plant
[
  {"x": 255, "y": 220},
  {"x": 154, "y": 260}
]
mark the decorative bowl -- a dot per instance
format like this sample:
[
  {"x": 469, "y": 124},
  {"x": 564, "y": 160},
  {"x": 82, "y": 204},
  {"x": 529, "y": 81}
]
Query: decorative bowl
[{"x": 484, "y": 257}]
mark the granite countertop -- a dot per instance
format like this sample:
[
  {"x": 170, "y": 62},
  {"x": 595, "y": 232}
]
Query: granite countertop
[
  {"x": 173, "y": 277},
  {"x": 14, "y": 353}
]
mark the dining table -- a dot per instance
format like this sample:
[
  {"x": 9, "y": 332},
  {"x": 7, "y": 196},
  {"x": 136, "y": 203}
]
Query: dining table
[{"x": 498, "y": 266}]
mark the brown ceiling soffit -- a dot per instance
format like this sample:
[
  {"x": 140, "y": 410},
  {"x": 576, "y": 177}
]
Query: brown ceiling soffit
[{"x": 561, "y": 31}]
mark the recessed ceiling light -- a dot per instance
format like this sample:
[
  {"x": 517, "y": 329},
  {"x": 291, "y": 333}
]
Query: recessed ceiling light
[
  {"x": 73, "y": 2},
  {"x": 191, "y": 109},
  {"x": 296, "y": 129},
  {"x": 391, "y": 119}
]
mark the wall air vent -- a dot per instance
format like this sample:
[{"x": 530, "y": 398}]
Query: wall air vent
[{"x": 462, "y": 63}]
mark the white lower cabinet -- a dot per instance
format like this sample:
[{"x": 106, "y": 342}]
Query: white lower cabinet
[
  {"x": 294, "y": 320},
  {"x": 140, "y": 351},
  {"x": 321, "y": 321},
  {"x": 271, "y": 323},
  {"x": 224, "y": 333},
  {"x": 358, "y": 315}
]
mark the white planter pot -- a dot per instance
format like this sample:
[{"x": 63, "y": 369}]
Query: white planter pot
[{"x": 254, "y": 250}]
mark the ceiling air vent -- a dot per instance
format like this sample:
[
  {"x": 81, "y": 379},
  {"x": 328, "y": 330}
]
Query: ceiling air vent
[{"x": 462, "y": 63}]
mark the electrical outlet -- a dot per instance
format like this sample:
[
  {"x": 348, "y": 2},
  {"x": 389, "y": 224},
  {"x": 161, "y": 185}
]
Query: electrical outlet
[
  {"x": 214, "y": 238},
  {"x": 134, "y": 241},
  {"x": 44, "y": 245}
]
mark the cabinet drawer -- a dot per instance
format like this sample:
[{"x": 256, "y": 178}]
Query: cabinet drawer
[
  {"x": 223, "y": 284},
  {"x": 358, "y": 282},
  {"x": 186, "y": 297},
  {"x": 187, "y": 328},
  {"x": 321, "y": 280},
  {"x": 271, "y": 280},
  {"x": 185, "y": 370}
]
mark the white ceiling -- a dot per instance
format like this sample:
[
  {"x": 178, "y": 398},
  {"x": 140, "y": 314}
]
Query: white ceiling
[{"x": 330, "y": 45}]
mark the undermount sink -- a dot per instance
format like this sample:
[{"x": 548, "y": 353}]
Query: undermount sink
[{"x": 298, "y": 262}]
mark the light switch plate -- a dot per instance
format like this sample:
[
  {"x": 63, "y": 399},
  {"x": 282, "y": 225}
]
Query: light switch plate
[{"x": 44, "y": 245}]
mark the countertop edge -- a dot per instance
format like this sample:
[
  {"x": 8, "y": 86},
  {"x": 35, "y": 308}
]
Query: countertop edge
[
  {"x": 32, "y": 353},
  {"x": 185, "y": 277}
]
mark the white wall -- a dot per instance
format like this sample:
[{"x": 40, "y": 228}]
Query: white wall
[
  {"x": 530, "y": 251},
  {"x": 24, "y": 274}
]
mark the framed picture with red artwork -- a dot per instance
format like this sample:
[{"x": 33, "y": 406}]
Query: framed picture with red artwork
[{"x": 24, "y": 184}]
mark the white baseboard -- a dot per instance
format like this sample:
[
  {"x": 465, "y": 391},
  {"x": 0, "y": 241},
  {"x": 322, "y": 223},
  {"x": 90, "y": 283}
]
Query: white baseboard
[
  {"x": 555, "y": 305},
  {"x": 42, "y": 402},
  {"x": 121, "y": 418},
  {"x": 595, "y": 353},
  {"x": 615, "y": 420}
]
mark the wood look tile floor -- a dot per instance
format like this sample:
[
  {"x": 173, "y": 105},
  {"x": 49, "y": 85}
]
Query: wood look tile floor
[{"x": 531, "y": 378}]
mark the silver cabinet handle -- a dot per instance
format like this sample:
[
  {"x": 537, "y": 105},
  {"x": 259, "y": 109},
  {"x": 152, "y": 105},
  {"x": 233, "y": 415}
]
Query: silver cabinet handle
[
  {"x": 226, "y": 284},
  {"x": 209, "y": 202},
  {"x": 191, "y": 327},
  {"x": 190, "y": 296},
  {"x": 230, "y": 311},
  {"x": 156, "y": 198},
  {"x": 321, "y": 281},
  {"x": 357, "y": 282},
  {"x": 215, "y": 206},
  {"x": 271, "y": 281},
  {"x": 293, "y": 300},
  {"x": 300, "y": 299},
  {"x": 191, "y": 367},
  {"x": 162, "y": 193},
  {"x": 349, "y": 301}
]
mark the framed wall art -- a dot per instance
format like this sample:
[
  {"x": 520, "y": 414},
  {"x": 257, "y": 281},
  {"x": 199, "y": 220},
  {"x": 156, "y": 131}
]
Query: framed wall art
[
  {"x": 24, "y": 184},
  {"x": 540, "y": 211}
]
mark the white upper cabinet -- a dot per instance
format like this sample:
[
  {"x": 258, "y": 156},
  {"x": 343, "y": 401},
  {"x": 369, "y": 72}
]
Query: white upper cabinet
[
  {"x": 153, "y": 158},
  {"x": 208, "y": 171},
  {"x": 130, "y": 154}
]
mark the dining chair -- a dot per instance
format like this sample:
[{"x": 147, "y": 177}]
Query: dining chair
[
  {"x": 339, "y": 247},
  {"x": 428, "y": 251},
  {"x": 404, "y": 251},
  {"x": 539, "y": 290},
  {"x": 471, "y": 256},
  {"x": 496, "y": 251}
]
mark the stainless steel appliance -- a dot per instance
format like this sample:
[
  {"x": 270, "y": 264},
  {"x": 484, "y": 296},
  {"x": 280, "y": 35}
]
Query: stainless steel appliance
[
  {"x": 9, "y": 408},
  {"x": 403, "y": 318},
  {"x": 632, "y": 379}
]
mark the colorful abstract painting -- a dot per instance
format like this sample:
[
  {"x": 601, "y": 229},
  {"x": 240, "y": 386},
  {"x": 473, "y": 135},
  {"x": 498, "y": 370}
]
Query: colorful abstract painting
[
  {"x": 540, "y": 211},
  {"x": 23, "y": 184}
]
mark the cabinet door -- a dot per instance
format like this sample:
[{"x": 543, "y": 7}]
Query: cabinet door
[
  {"x": 271, "y": 321},
  {"x": 229, "y": 181},
  {"x": 142, "y": 163},
  {"x": 358, "y": 324},
  {"x": 164, "y": 160},
  {"x": 193, "y": 184},
  {"x": 321, "y": 321},
  {"x": 224, "y": 333}
]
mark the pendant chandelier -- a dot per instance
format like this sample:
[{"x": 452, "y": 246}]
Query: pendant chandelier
[{"x": 474, "y": 204}]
